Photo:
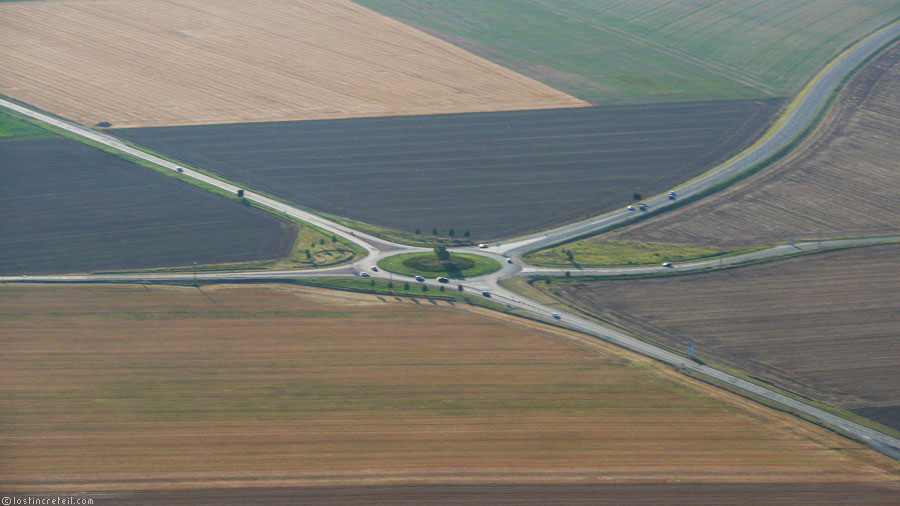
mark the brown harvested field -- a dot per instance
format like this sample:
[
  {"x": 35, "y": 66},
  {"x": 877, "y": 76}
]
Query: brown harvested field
[
  {"x": 843, "y": 181},
  {"x": 131, "y": 387},
  {"x": 826, "y": 326},
  {"x": 177, "y": 62}
]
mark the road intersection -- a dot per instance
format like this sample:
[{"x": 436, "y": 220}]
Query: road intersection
[{"x": 793, "y": 123}]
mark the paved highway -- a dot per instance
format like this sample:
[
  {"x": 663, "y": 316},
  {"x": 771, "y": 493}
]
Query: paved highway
[{"x": 795, "y": 120}]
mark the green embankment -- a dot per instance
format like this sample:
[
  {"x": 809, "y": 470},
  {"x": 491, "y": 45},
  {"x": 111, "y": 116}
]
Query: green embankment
[
  {"x": 595, "y": 252},
  {"x": 653, "y": 50}
]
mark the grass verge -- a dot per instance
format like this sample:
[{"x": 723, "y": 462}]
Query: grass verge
[
  {"x": 459, "y": 265},
  {"x": 594, "y": 252}
]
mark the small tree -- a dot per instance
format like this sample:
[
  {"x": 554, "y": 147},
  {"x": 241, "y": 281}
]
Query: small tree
[
  {"x": 570, "y": 255},
  {"x": 442, "y": 288},
  {"x": 406, "y": 285},
  {"x": 333, "y": 239},
  {"x": 459, "y": 287},
  {"x": 424, "y": 288},
  {"x": 322, "y": 241},
  {"x": 568, "y": 274},
  {"x": 434, "y": 231},
  {"x": 308, "y": 255},
  {"x": 372, "y": 283},
  {"x": 451, "y": 232},
  {"x": 312, "y": 244},
  {"x": 391, "y": 285},
  {"x": 466, "y": 234},
  {"x": 442, "y": 253},
  {"x": 418, "y": 232}
]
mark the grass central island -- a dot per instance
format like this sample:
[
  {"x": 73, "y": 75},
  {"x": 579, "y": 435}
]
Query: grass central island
[{"x": 427, "y": 264}]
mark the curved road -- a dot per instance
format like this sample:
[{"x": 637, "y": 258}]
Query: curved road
[{"x": 798, "y": 116}]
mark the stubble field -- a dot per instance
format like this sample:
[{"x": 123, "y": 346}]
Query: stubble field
[
  {"x": 824, "y": 326},
  {"x": 67, "y": 207},
  {"x": 131, "y": 387},
  {"x": 173, "y": 62},
  {"x": 495, "y": 174},
  {"x": 842, "y": 182}
]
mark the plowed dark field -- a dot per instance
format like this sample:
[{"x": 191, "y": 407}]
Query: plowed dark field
[
  {"x": 682, "y": 494},
  {"x": 68, "y": 207},
  {"x": 825, "y": 325},
  {"x": 494, "y": 174}
]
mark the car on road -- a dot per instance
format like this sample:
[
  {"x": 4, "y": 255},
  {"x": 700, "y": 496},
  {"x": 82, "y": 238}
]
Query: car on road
[
  {"x": 364, "y": 274},
  {"x": 420, "y": 279},
  {"x": 672, "y": 195},
  {"x": 630, "y": 208},
  {"x": 556, "y": 315},
  {"x": 643, "y": 207},
  {"x": 483, "y": 246},
  {"x": 442, "y": 279},
  {"x": 486, "y": 293},
  {"x": 374, "y": 268},
  {"x": 667, "y": 264},
  {"x": 179, "y": 169},
  {"x": 509, "y": 260}
]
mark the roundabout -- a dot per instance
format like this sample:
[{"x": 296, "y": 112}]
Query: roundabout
[{"x": 428, "y": 265}]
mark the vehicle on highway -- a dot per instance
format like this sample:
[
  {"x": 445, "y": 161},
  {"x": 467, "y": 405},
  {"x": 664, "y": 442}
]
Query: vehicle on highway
[
  {"x": 179, "y": 169},
  {"x": 483, "y": 246},
  {"x": 630, "y": 208},
  {"x": 442, "y": 279},
  {"x": 672, "y": 195},
  {"x": 667, "y": 264},
  {"x": 643, "y": 207},
  {"x": 364, "y": 274},
  {"x": 374, "y": 268},
  {"x": 556, "y": 315},
  {"x": 486, "y": 293},
  {"x": 420, "y": 279}
]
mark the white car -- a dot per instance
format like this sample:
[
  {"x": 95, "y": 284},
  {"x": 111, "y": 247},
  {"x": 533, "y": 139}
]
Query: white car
[
  {"x": 364, "y": 274},
  {"x": 374, "y": 268},
  {"x": 483, "y": 246}
]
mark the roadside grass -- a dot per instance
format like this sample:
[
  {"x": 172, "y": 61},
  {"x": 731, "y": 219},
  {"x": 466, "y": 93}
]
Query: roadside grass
[
  {"x": 397, "y": 288},
  {"x": 13, "y": 126},
  {"x": 595, "y": 252},
  {"x": 426, "y": 264}
]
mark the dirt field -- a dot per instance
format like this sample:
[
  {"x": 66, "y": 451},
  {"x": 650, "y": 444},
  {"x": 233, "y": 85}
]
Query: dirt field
[
  {"x": 643, "y": 494},
  {"x": 175, "y": 62},
  {"x": 843, "y": 182},
  {"x": 825, "y": 325},
  {"x": 67, "y": 207},
  {"x": 495, "y": 174},
  {"x": 131, "y": 387}
]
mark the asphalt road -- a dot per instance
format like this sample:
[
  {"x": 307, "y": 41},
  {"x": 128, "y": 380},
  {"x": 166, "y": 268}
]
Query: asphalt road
[{"x": 802, "y": 111}]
